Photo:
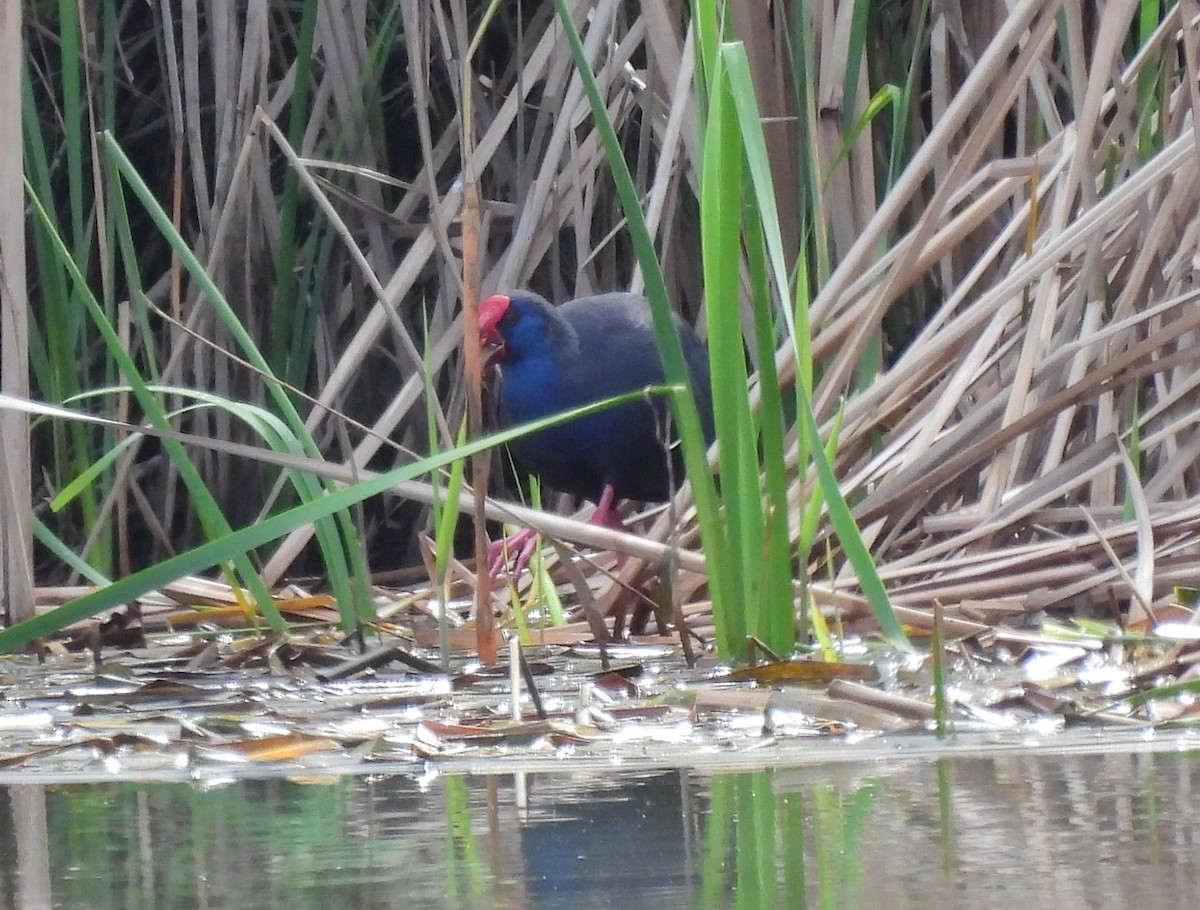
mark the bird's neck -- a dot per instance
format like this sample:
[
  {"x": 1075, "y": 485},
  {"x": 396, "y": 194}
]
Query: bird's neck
[{"x": 538, "y": 382}]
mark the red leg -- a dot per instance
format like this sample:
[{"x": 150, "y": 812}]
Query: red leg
[{"x": 605, "y": 515}]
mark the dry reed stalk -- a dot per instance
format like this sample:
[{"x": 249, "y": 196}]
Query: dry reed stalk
[
  {"x": 1056, "y": 245},
  {"x": 987, "y": 412}
]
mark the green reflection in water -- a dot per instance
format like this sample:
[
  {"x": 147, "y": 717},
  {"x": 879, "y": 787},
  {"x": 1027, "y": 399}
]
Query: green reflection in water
[
  {"x": 838, "y": 821},
  {"x": 714, "y": 880},
  {"x": 756, "y": 838},
  {"x": 139, "y": 847},
  {"x": 945, "y": 779},
  {"x": 792, "y": 821},
  {"x": 466, "y": 874},
  {"x": 1012, "y": 830}
]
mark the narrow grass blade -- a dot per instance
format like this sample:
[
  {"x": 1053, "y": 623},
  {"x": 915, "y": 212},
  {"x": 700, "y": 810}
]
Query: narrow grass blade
[{"x": 235, "y": 544}]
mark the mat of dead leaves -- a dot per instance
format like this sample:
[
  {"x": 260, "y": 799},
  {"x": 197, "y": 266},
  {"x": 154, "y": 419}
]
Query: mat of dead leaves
[{"x": 194, "y": 691}]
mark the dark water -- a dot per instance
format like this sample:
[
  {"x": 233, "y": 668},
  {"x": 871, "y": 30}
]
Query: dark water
[{"x": 1041, "y": 829}]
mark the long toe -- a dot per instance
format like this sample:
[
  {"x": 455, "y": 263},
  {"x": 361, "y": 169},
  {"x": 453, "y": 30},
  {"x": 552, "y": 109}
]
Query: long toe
[
  {"x": 522, "y": 543},
  {"x": 526, "y": 553}
]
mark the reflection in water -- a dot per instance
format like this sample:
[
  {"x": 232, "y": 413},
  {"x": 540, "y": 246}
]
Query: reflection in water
[
  {"x": 31, "y": 888},
  {"x": 607, "y": 844},
  {"x": 1114, "y": 830}
]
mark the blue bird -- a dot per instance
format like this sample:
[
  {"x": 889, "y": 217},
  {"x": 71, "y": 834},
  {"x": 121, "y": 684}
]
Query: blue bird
[{"x": 550, "y": 359}]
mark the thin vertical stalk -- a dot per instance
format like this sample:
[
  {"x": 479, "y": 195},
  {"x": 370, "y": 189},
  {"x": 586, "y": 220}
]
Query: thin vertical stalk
[
  {"x": 486, "y": 640},
  {"x": 16, "y": 505}
]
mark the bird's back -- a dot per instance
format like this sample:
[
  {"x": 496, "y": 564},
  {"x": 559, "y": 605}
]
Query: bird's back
[{"x": 624, "y": 445}]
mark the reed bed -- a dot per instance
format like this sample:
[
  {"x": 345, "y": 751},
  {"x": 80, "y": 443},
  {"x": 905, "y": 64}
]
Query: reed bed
[{"x": 988, "y": 212}]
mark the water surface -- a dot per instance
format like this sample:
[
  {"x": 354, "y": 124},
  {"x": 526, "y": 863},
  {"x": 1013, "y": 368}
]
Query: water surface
[{"x": 1037, "y": 828}]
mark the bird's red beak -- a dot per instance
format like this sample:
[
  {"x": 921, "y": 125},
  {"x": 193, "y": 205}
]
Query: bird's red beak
[{"x": 491, "y": 311}]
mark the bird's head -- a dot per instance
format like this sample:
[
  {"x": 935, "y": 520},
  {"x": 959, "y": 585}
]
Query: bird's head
[
  {"x": 513, "y": 327},
  {"x": 492, "y": 313}
]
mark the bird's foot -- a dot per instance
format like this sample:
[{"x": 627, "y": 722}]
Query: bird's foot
[{"x": 523, "y": 543}]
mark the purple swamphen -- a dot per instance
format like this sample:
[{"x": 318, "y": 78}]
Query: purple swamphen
[{"x": 551, "y": 359}]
